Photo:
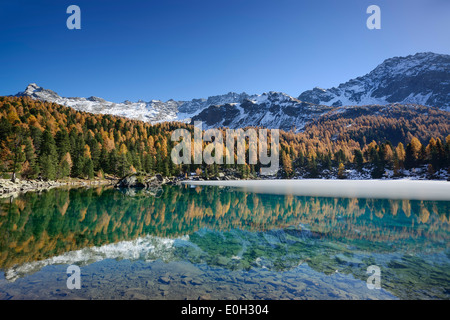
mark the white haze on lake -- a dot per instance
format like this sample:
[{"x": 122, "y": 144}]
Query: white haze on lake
[{"x": 377, "y": 189}]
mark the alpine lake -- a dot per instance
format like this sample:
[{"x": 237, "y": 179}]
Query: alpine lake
[{"x": 218, "y": 242}]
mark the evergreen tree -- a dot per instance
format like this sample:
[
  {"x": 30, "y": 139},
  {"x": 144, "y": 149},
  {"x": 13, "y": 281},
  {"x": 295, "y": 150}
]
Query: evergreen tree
[
  {"x": 88, "y": 169},
  {"x": 358, "y": 159},
  {"x": 340, "y": 157},
  {"x": 148, "y": 163},
  {"x": 64, "y": 168},
  {"x": 328, "y": 163},
  {"x": 170, "y": 166},
  {"x": 62, "y": 141},
  {"x": 31, "y": 157},
  {"x": 378, "y": 167},
  {"x": 300, "y": 161},
  {"x": 113, "y": 162},
  {"x": 48, "y": 168},
  {"x": 137, "y": 162},
  {"x": 441, "y": 156},
  {"x": 95, "y": 154},
  {"x": 410, "y": 160},
  {"x": 78, "y": 166},
  {"x": 312, "y": 168},
  {"x": 5, "y": 128},
  {"x": 422, "y": 157},
  {"x": 159, "y": 163},
  {"x": 77, "y": 156},
  {"x": 103, "y": 162},
  {"x": 48, "y": 156}
]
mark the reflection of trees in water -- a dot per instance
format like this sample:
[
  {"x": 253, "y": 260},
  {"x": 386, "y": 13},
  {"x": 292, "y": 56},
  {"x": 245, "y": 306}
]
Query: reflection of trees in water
[{"x": 37, "y": 226}]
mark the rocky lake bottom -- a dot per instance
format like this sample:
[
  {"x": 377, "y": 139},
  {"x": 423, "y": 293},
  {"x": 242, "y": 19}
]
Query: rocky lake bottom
[{"x": 183, "y": 281}]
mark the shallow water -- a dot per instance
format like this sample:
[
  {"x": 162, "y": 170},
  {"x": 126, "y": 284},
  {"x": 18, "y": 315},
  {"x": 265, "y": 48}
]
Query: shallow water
[{"x": 212, "y": 242}]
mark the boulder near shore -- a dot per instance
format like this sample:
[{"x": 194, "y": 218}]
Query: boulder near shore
[{"x": 144, "y": 182}]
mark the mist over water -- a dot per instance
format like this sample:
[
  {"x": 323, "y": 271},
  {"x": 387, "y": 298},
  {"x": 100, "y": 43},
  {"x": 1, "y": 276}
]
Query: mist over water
[{"x": 375, "y": 189}]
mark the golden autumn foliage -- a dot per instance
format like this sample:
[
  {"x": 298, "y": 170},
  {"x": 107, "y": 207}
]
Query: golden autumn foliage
[{"x": 144, "y": 147}]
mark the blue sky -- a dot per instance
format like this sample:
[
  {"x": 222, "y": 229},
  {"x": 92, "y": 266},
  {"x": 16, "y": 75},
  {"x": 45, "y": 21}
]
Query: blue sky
[{"x": 185, "y": 49}]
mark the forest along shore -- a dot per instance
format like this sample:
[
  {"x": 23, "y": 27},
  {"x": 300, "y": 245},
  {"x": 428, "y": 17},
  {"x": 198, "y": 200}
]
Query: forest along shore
[{"x": 9, "y": 188}]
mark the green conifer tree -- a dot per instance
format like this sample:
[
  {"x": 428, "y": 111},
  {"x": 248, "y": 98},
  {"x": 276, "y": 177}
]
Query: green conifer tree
[
  {"x": 48, "y": 156},
  {"x": 358, "y": 159}
]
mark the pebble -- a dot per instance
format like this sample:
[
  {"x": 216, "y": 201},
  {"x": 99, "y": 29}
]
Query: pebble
[
  {"x": 165, "y": 293},
  {"x": 165, "y": 280},
  {"x": 164, "y": 287},
  {"x": 196, "y": 282}
]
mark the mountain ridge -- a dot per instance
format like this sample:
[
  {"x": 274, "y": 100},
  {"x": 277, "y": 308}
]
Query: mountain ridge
[{"x": 423, "y": 78}]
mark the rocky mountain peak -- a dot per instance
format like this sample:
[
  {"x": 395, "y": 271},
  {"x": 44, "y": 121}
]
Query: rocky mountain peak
[
  {"x": 36, "y": 92},
  {"x": 422, "y": 78}
]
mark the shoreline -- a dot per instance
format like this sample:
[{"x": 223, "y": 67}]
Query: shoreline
[
  {"x": 13, "y": 189},
  {"x": 395, "y": 189},
  {"x": 410, "y": 189}
]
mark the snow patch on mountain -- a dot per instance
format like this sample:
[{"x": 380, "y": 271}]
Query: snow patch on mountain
[
  {"x": 153, "y": 111},
  {"x": 273, "y": 110},
  {"x": 423, "y": 78}
]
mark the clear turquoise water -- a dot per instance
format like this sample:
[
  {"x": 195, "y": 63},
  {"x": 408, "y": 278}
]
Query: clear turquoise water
[{"x": 221, "y": 243}]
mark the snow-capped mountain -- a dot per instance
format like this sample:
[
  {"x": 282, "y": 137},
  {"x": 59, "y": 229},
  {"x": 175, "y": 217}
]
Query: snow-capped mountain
[
  {"x": 423, "y": 78},
  {"x": 152, "y": 111},
  {"x": 191, "y": 108},
  {"x": 270, "y": 110},
  {"x": 148, "y": 248}
]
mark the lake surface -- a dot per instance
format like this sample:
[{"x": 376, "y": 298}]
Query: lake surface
[{"x": 215, "y": 242}]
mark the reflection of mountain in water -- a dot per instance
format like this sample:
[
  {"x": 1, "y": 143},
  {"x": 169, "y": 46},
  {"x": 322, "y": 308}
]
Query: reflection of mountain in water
[
  {"x": 38, "y": 226},
  {"x": 220, "y": 227},
  {"x": 147, "y": 248}
]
